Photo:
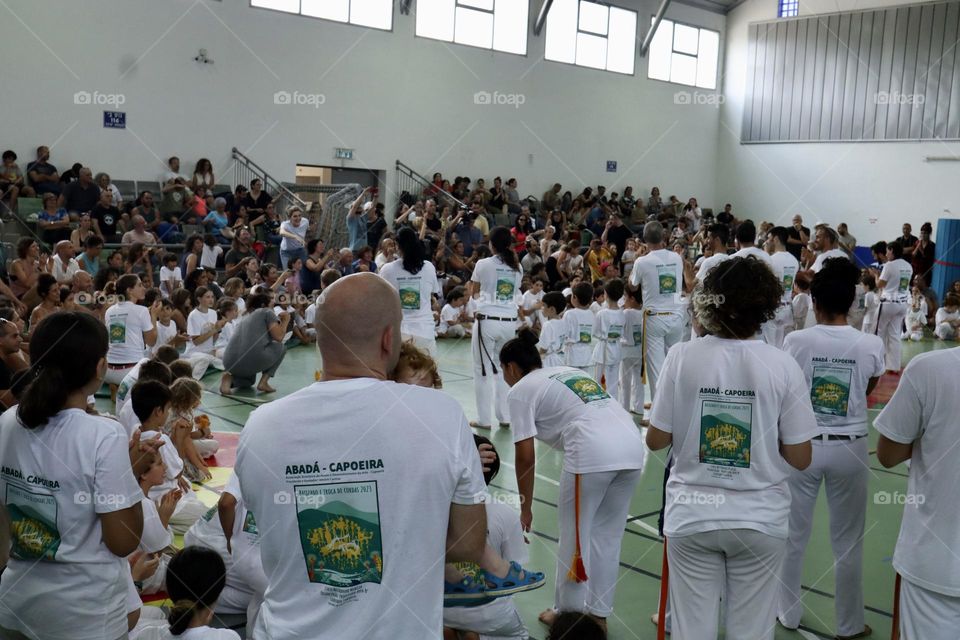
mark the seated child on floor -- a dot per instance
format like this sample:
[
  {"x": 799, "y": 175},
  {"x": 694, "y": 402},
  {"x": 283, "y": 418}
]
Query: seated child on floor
[
  {"x": 195, "y": 578},
  {"x": 190, "y": 433},
  {"x": 453, "y": 316}
]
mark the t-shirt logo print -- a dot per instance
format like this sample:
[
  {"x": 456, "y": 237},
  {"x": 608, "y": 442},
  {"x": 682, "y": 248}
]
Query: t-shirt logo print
[
  {"x": 340, "y": 533},
  {"x": 410, "y": 298},
  {"x": 118, "y": 330},
  {"x": 904, "y": 281},
  {"x": 830, "y": 391},
  {"x": 586, "y": 388},
  {"x": 725, "y": 429},
  {"x": 668, "y": 278},
  {"x": 33, "y": 519},
  {"x": 505, "y": 289}
]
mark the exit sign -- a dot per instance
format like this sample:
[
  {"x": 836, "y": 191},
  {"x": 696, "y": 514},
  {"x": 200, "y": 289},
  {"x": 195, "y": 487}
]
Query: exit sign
[{"x": 343, "y": 154}]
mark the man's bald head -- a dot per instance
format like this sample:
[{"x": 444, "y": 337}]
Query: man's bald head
[{"x": 358, "y": 327}]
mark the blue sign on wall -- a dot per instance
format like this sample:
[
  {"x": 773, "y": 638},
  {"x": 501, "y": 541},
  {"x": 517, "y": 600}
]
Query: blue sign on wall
[
  {"x": 611, "y": 166},
  {"x": 114, "y": 120}
]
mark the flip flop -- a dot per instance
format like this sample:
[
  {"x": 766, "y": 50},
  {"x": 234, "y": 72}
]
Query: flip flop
[
  {"x": 863, "y": 634},
  {"x": 512, "y": 582}
]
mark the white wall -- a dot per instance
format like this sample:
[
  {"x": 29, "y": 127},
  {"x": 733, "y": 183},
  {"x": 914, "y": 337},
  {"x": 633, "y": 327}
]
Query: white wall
[
  {"x": 831, "y": 182},
  {"x": 389, "y": 95}
]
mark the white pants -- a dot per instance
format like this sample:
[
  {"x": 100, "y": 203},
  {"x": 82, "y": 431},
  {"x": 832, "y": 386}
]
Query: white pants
[
  {"x": 201, "y": 362},
  {"x": 206, "y": 447},
  {"x": 488, "y": 384},
  {"x": 454, "y": 331},
  {"x": 427, "y": 344},
  {"x": 945, "y": 331},
  {"x": 843, "y": 467},
  {"x": 775, "y": 329},
  {"x": 660, "y": 333},
  {"x": 889, "y": 328},
  {"x": 610, "y": 374},
  {"x": 743, "y": 564},
  {"x": 927, "y": 615},
  {"x": 116, "y": 376},
  {"x": 604, "y": 504},
  {"x": 631, "y": 385},
  {"x": 188, "y": 511}
]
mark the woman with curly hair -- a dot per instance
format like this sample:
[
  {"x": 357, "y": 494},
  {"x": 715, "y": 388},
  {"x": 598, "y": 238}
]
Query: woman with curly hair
[{"x": 737, "y": 412}]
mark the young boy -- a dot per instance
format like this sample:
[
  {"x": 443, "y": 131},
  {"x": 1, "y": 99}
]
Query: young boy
[
  {"x": 154, "y": 370},
  {"x": 453, "y": 319},
  {"x": 598, "y": 297},
  {"x": 531, "y": 305},
  {"x": 163, "y": 355},
  {"x": 579, "y": 324},
  {"x": 157, "y": 535},
  {"x": 150, "y": 401},
  {"x": 916, "y": 318},
  {"x": 871, "y": 303},
  {"x": 167, "y": 335},
  {"x": 631, "y": 363},
  {"x": 803, "y": 317},
  {"x": 608, "y": 330},
  {"x": 553, "y": 335},
  {"x": 226, "y": 309},
  {"x": 171, "y": 278},
  {"x": 948, "y": 318}
]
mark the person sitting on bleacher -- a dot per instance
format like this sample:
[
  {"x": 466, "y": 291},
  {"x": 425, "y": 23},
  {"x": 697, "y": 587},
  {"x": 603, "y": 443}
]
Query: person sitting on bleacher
[
  {"x": 43, "y": 176},
  {"x": 139, "y": 233},
  {"x": 106, "y": 217},
  {"x": 81, "y": 195},
  {"x": 53, "y": 220}
]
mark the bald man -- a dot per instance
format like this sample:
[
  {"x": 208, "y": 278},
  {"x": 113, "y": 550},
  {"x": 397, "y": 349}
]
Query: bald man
[{"x": 360, "y": 485}]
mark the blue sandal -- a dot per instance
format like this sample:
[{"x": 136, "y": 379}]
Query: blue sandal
[
  {"x": 468, "y": 592},
  {"x": 512, "y": 583}
]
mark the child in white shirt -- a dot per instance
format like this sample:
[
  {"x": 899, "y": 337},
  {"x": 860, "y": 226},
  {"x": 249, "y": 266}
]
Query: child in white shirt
[
  {"x": 948, "y": 318},
  {"x": 631, "y": 352},
  {"x": 195, "y": 578},
  {"x": 553, "y": 336},
  {"x": 211, "y": 252},
  {"x": 171, "y": 278},
  {"x": 608, "y": 330},
  {"x": 598, "y": 298},
  {"x": 453, "y": 317},
  {"x": 916, "y": 318},
  {"x": 228, "y": 310},
  {"x": 871, "y": 303},
  {"x": 167, "y": 333},
  {"x": 579, "y": 324},
  {"x": 628, "y": 257},
  {"x": 530, "y": 305},
  {"x": 803, "y": 317}
]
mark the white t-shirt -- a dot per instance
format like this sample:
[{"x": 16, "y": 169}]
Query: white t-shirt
[
  {"x": 803, "y": 315},
  {"x": 54, "y": 481},
  {"x": 171, "y": 461},
  {"x": 245, "y": 538},
  {"x": 156, "y": 537},
  {"x": 754, "y": 252},
  {"x": 416, "y": 296},
  {"x": 553, "y": 341},
  {"x": 226, "y": 333},
  {"x": 827, "y": 255},
  {"x": 709, "y": 263},
  {"x": 126, "y": 323},
  {"x": 727, "y": 421},
  {"x": 209, "y": 256},
  {"x": 170, "y": 280},
  {"x": 632, "y": 340},
  {"x": 608, "y": 330},
  {"x": 837, "y": 362},
  {"x": 204, "y": 633},
  {"x": 355, "y": 507},
  {"x": 924, "y": 411},
  {"x": 504, "y": 536},
  {"x": 570, "y": 411},
  {"x": 127, "y": 418},
  {"x": 123, "y": 390},
  {"x": 64, "y": 274},
  {"x": 499, "y": 287},
  {"x": 871, "y": 303},
  {"x": 528, "y": 302},
  {"x": 165, "y": 333},
  {"x": 659, "y": 274},
  {"x": 288, "y": 244},
  {"x": 896, "y": 275},
  {"x": 448, "y": 314},
  {"x": 947, "y": 316},
  {"x": 785, "y": 267},
  {"x": 579, "y": 332},
  {"x": 199, "y": 323}
]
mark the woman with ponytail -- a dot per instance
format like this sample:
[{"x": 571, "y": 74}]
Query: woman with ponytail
[
  {"x": 195, "y": 578},
  {"x": 69, "y": 502},
  {"x": 416, "y": 280},
  {"x": 497, "y": 280},
  {"x": 132, "y": 328},
  {"x": 603, "y": 456}
]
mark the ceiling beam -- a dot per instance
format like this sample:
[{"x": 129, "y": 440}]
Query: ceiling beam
[
  {"x": 542, "y": 17},
  {"x": 645, "y": 46}
]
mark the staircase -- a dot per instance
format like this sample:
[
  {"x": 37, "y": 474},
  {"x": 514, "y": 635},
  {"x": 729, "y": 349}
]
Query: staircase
[
  {"x": 246, "y": 170},
  {"x": 413, "y": 183}
]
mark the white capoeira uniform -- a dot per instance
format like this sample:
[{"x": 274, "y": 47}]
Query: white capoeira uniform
[
  {"x": 246, "y": 580},
  {"x": 579, "y": 332},
  {"x": 603, "y": 456},
  {"x": 416, "y": 302},
  {"x": 838, "y": 363},
  {"x": 659, "y": 275},
  {"x": 896, "y": 275},
  {"x": 607, "y": 331},
  {"x": 496, "y": 323},
  {"x": 553, "y": 341},
  {"x": 189, "y": 509},
  {"x": 944, "y": 327},
  {"x": 858, "y": 310},
  {"x": 727, "y": 501},
  {"x": 785, "y": 267},
  {"x": 631, "y": 385},
  {"x": 923, "y": 411}
]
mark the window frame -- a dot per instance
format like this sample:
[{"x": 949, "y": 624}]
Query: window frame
[
  {"x": 673, "y": 52},
  {"x": 784, "y": 8},
  {"x": 299, "y": 14},
  {"x": 606, "y": 37},
  {"x": 456, "y": 5}
]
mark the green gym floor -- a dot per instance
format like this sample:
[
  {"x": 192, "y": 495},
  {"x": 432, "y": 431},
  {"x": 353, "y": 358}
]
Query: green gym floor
[{"x": 642, "y": 552}]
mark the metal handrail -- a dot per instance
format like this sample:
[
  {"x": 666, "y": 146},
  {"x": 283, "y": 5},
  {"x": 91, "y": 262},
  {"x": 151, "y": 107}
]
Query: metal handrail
[
  {"x": 404, "y": 169},
  {"x": 269, "y": 180}
]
